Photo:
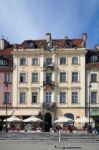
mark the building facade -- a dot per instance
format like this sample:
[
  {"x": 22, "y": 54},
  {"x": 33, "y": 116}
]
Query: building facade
[
  {"x": 92, "y": 84},
  {"x": 6, "y": 75},
  {"x": 49, "y": 78}
]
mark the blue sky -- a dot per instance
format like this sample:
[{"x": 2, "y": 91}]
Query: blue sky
[{"x": 32, "y": 19}]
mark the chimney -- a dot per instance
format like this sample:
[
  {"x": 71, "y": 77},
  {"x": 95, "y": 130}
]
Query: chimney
[
  {"x": 48, "y": 37},
  {"x": 66, "y": 37},
  {"x": 2, "y": 44},
  {"x": 84, "y": 37},
  {"x": 97, "y": 46}
]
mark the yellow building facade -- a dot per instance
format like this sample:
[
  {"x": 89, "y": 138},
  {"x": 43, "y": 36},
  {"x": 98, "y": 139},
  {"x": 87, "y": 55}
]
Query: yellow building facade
[{"x": 49, "y": 78}]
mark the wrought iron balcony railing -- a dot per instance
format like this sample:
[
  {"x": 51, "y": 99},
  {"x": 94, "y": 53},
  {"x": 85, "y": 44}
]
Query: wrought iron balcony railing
[
  {"x": 47, "y": 65},
  {"x": 49, "y": 105},
  {"x": 48, "y": 83}
]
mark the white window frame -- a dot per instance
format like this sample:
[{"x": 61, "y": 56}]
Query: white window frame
[
  {"x": 62, "y": 97},
  {"x": 61, "y": 60},
  {"x": 23, "y": 101},
  {"x": 25, "y": 76},
  {"x": 93, "y": 101},
  {"x": 62, "y": 77},
  {"x": 36, "y": 77},
  {"x": 74, "y": 98},
  {"x": 75, "y": 60},
  {"x": 7, "y": 77},
  {"x": 48, "y": 97},
  {"x": 35, "y": 61},
  {"x": 35, "y": 94},
  {"x": 23, "y": 63},
  {"x": 93, "y": 77},
  {"x": 75, "y": 77}
]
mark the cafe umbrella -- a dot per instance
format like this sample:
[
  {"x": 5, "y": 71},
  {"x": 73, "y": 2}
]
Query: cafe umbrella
[
  {"x": 62, "y": 119},
  {"x": 32, "y": 119},
  {"x": 13, "y": 119}
]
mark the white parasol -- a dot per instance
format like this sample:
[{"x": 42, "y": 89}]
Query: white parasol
[
  {"x": 32, "y": 119},
  {"x": 13, "y": 119},
  {"x": 63, "y": 119},
  {"x": 84, "y": 120}
]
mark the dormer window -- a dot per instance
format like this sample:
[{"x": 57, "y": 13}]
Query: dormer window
[
  {"x": 30, "y": 44},
  {"x": 68, "y": 43},
  {"x": 94, "y": 58}
]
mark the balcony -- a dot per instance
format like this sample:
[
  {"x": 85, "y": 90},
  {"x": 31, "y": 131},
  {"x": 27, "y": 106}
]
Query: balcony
[
  {"x": 48, "y": 66},
  {"x": 49, "y": 105},
  {"x": 49, "y": 84}
]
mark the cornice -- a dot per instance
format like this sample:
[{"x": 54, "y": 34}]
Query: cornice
[{"x": 73, "y": 51}]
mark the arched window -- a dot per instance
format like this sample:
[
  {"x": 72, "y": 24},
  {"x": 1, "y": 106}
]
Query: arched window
[{"x": 22, "y": 61}]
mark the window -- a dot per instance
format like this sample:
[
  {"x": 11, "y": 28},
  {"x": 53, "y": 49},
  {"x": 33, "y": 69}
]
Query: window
[
  {"x": 68, "y": 43},
  {"x": 75, "y": 60},
  {"x": 62, "y": 76},
  {"x": 7, "y": 97},
  {"x": 48, "y": 97},
  {"x": 74, "y": 76},
  {"x": 49, "y": 61},
  {"x": 22, "y": 61},
  {"x": 94, "y": 58},
  {"x": 7, "y": 77},
  {"x": 34, "y": 97},
  {"x": 3, "y": 61},
  {"x": 22, "y": 97},
  {"x": 74, "y": 97},
  {"x": 34, "y": 77},
  {"x": 23, "y": 77},
  {"x": 62, "y": 97},
  {"x": 34, "y": 61},
  {"x": 48, "y": 77},
  {"x": 93, "y": 77},
  {"x": 93, "y": 97},
  {"x": 62, "y": 60},
  {"x": 30, "y": 44}
]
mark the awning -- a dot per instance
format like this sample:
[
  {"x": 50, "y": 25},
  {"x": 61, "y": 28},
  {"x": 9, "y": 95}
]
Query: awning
[
  {"x": 94, "y": 112},
  {"x": 20, "y": 112}
]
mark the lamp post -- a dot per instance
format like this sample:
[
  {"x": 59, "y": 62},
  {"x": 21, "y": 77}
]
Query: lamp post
[
  {"x": 6, "y": 118},
  {"x": 43, "y": 118},
  {"x": 6, "y": 100},
  {"x": 89, "y": 100}
]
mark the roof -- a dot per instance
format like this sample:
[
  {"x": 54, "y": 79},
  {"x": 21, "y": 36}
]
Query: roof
[
  {"x": 6, "y": 51},
  {"x": 92, "y": 51},
  {"x": 60, "y": 43}
]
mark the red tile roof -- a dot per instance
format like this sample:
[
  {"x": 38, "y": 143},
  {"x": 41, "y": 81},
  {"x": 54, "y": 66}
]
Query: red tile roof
[
  {"x": 59, "y": 42},
  {"x": 6, "y": 51}
]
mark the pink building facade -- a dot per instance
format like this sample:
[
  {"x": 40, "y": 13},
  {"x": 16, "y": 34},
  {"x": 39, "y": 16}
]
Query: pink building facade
[{"x": 6, "y": 79}]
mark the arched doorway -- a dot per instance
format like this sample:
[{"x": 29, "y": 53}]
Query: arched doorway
[{"x": 47, "y": 122}]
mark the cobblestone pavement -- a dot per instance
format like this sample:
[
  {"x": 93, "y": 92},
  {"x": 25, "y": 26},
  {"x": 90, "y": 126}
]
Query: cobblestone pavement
[{"x": 48, "y": 141}]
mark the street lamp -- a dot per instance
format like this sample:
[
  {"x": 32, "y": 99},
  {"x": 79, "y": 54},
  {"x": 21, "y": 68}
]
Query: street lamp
[
  {"x": 89, "y": 100},
  {"x": 6, "y": 101},
  {"x": 6, "y": 118},
  {"x": 43, "y": 118}
]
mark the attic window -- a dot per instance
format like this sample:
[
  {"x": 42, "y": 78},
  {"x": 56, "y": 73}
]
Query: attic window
[
  {"x": 68, "y": 43},
  {"x": 30, "y": 44},
  {"x": 94, "y": 58}
]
